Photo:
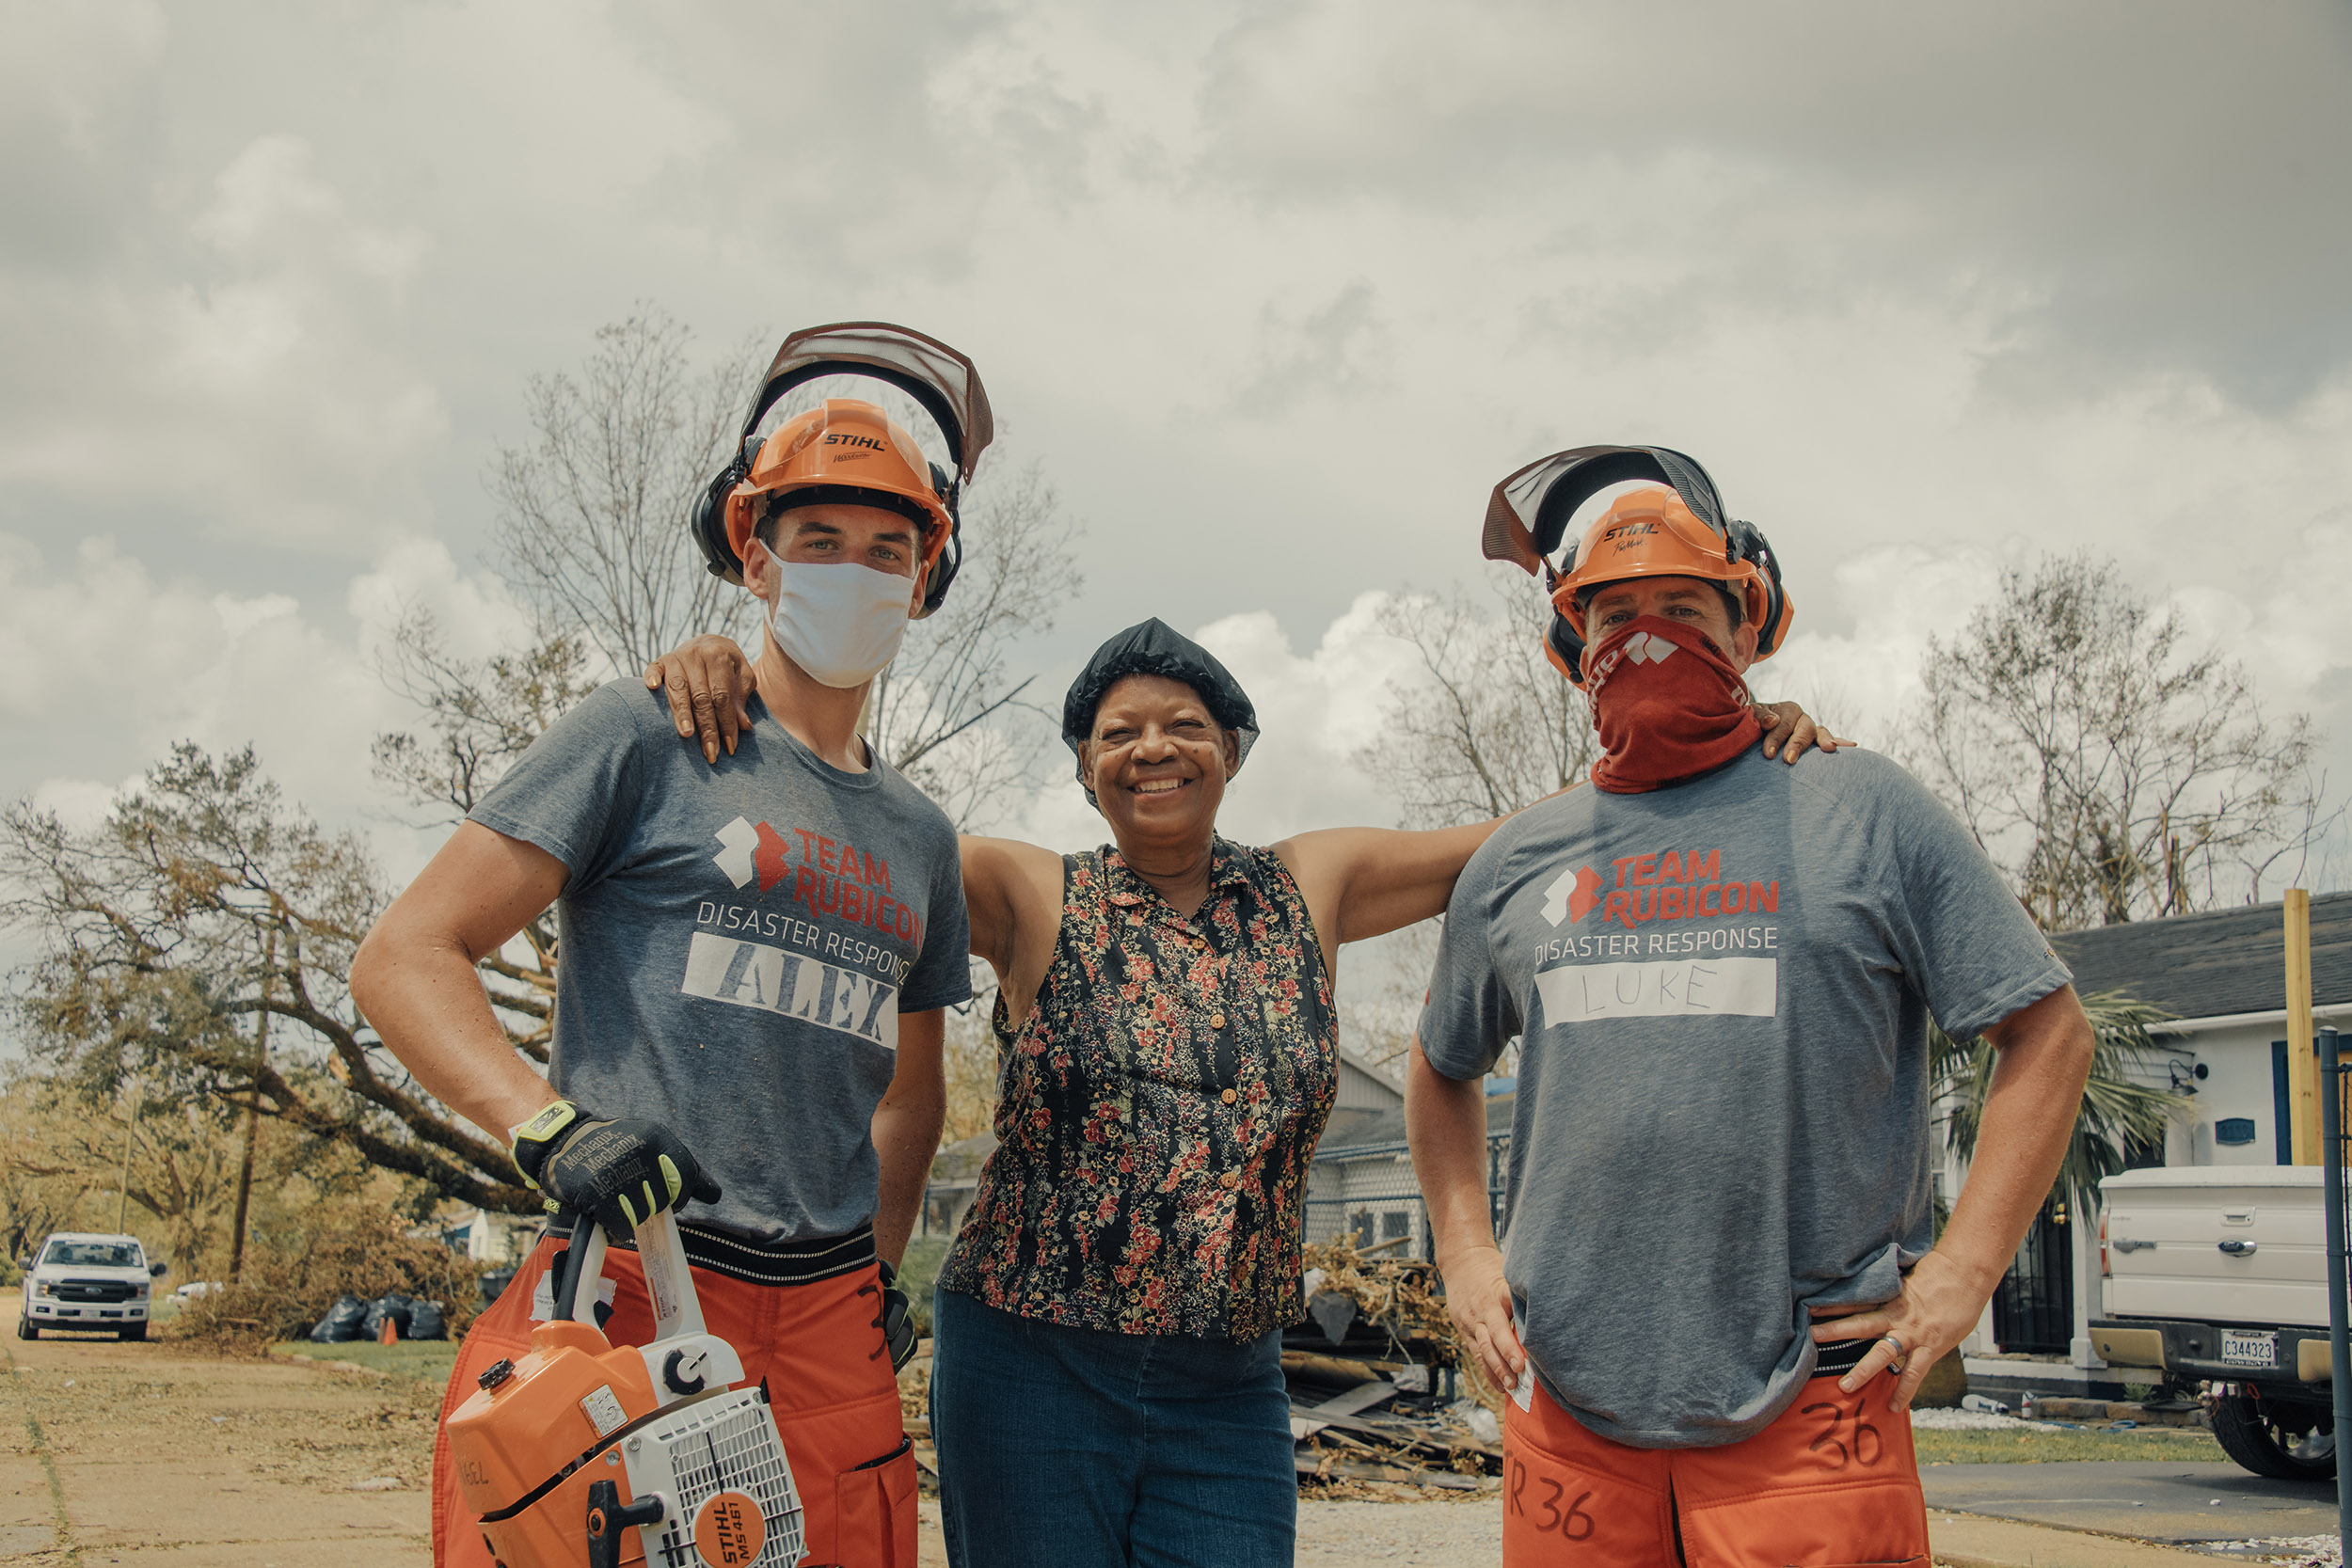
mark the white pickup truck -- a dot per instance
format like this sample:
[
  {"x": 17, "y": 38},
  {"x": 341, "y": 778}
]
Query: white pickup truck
[
  {"x": 2217, "y": 1275},
  {"x": 86, "y": 1280}
]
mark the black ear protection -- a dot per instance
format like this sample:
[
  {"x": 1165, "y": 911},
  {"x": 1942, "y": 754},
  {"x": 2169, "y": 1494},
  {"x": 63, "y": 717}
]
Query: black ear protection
[
  {"x": 943, "y": 382},
  {"x": 1528, "y": 516}
]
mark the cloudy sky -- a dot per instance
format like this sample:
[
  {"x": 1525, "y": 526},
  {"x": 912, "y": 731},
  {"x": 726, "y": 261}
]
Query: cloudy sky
[{"x": 1273, "y": 292}]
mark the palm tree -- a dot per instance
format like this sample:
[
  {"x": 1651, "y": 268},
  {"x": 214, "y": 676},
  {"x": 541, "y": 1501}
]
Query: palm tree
[{"x": 2117, "y": 1110}]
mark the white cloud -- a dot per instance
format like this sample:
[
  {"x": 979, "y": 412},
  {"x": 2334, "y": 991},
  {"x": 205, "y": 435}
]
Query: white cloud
[
  {"x": 1890, "y": 601},
  {"x": 115, "y": 663},
  {"x": 1274, "y": 294}
]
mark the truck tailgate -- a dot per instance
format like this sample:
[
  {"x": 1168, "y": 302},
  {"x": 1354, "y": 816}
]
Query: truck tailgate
[{"x": 2221, "y": 1244}]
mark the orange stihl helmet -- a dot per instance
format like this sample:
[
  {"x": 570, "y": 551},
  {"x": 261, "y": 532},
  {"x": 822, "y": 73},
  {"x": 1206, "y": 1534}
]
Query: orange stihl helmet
[
  {"x": 849, "y": 451},
  {"x": 846, "y": 451},
  {"x": 1676, "y": 527}
]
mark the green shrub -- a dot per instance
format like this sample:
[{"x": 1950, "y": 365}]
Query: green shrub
[{"x": 346, "y": 1247}]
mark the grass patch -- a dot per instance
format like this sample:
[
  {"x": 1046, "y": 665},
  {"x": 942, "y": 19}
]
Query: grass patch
[
  {"x": 2049, "y": 1448},
  {"x": 418, "y": 1360}
]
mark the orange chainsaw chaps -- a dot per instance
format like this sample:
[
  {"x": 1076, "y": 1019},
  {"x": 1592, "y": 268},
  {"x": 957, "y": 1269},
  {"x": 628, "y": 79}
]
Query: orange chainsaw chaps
[{"x": 1832, "y": 1480}]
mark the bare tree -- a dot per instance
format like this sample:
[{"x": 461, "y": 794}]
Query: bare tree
[
  {"x": 2114, "y": 769},
  {"x": 1486, "y": 725},
  {"x": 591, "y": 509},
  {"x": 949, "y": 712},
  {"x": 592, "y": 536},
  {"x": 483, "y": 713}
]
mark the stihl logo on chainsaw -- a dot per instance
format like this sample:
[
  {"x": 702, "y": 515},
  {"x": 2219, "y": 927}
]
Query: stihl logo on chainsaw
[{"x": 729, "y": 1531}]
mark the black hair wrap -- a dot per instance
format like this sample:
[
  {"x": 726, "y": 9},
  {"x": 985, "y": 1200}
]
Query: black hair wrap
[{"x": 1156, "y": 648}]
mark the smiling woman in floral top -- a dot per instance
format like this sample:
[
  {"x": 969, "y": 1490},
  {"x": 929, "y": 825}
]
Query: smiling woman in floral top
[{"x": 1106, "y": 1381}]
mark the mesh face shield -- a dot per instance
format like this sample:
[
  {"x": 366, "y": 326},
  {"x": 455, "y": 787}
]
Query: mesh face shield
[{"x": 1156, "y": 648}]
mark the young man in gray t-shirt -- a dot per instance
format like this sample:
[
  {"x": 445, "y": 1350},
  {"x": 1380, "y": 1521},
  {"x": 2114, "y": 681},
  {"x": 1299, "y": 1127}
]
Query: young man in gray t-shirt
[
  {"x": 1723, "y": 1283},
  {"x": 751, "y": 961}
]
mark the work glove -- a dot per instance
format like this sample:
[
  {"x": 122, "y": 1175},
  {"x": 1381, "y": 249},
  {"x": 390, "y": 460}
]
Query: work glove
[
  {"x": 896, "y": 1320},
  {"x": 622, "y": 1173}
]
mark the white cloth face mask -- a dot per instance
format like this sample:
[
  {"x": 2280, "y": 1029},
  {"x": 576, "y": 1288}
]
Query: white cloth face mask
[{"x": 841, "y": 622}]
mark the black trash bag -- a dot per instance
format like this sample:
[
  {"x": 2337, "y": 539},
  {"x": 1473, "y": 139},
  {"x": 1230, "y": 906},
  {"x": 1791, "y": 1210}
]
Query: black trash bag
[
  {"x": 392, "y": 1308},
  {"x": 1154, "y": 648},
  {"x": 494, "y": 1284},
  {"x": 342, "y": 1321},
  {"x": 426, "y": 1321}
]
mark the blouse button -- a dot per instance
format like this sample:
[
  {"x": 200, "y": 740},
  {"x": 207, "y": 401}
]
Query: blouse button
[
  {"x": 1229, "y": 1097},
  {"x": 1231, "y": 1179},
  {"x": 1216, "y": 1020}
]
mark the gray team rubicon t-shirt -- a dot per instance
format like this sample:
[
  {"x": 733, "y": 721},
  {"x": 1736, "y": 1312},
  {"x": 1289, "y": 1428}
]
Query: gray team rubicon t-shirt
[
  {"x": 1723, "y": 993},
  {"x": 736, "y": 945}
]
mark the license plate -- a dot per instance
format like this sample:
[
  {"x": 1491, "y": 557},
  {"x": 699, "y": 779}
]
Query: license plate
[{"x": 2244, "y": 1348}]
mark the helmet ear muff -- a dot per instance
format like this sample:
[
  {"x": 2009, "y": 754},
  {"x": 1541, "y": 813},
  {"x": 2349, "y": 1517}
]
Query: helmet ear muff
[
  {"x": 1563, "y": 644},
  {"x": 949, "y": 561},
  {"x": 1768, "y": 601},
  {"x": 709, "y": 522},
  {"x": 1565, "y": 648}
]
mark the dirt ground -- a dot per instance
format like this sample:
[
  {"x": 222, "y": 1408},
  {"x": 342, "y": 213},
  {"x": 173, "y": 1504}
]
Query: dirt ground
[
  {"x": 154, "y": 1455},
  {"x": 144, "y": 1453}
]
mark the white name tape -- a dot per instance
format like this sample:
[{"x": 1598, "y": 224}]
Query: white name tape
[
  {"x": 753, "y": 975},
  {"x": 1660, "y": 988}
]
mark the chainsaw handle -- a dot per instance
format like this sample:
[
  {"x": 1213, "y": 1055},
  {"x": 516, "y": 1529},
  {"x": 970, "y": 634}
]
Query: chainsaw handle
[{"x": 668, "y": 1281}]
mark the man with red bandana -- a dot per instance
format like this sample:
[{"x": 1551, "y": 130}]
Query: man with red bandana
[{"x": 1723, "y": 1283}]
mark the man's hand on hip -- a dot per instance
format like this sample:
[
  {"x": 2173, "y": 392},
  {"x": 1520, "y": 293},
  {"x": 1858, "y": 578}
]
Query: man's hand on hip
[
  {"x": 1478, "y": 1299},
  {"x": 1939, "y": 1304},
  {"x": 622, "y": 1173}
]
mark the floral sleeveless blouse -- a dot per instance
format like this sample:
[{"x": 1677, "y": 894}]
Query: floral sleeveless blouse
[{"x": 1158, "y": 1109}]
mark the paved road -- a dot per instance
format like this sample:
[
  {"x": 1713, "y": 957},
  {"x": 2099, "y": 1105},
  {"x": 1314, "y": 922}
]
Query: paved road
[{"x": 2156, "y": 1501}]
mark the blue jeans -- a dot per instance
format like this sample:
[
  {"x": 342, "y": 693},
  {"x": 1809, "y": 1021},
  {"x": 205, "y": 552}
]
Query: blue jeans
[{"x": 1073, "y": 1447}]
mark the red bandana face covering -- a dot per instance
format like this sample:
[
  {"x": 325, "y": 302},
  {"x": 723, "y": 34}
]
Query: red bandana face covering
[{"x": 1667, "y": 705}]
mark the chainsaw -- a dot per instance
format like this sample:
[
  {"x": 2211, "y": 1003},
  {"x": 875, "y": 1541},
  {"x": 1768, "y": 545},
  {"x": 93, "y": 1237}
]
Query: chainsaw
[{"x": 584, "y": 1454}]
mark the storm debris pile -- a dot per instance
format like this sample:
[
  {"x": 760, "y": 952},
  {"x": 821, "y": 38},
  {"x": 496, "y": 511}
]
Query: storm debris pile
[{"x": 1382, "y": 1394}]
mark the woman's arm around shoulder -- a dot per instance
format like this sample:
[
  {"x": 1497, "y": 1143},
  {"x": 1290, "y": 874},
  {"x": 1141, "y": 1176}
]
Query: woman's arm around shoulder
[
  {"x": 1363, "y": 882},
  {"x": 1012, "y": 891}
]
